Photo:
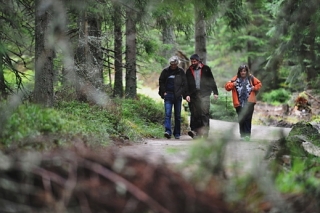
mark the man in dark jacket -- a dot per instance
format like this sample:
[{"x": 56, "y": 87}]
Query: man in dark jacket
[
  {"x": 172, "y": 88},
  {"x": 201, "y": 84}
]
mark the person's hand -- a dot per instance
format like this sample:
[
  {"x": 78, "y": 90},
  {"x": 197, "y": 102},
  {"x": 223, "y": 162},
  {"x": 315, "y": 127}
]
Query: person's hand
[
  {"x": 235, "y": 83},
  {"x": 188, "y": 98},
  {"x": 213, "y": 100}
]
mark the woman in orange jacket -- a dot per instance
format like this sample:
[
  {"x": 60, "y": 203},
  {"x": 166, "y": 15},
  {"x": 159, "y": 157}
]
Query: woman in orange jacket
[{"x": 244, "y": 87}]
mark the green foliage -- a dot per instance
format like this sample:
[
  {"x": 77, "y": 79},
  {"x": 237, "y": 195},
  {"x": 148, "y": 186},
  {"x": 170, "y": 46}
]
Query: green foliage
[
  {"x": 120, "y": 118},
  {"x": 31, "y": 120},
  {"x": 295, "y": 40},
  {"x": 27, "y": 77},
  {"x": 18, "y": 40},
  {"x": 144, "y": 108},
  {"x": 233, "y": 18},
  {"x": 150, "y": 46},
  {"x": 87, "y": 120},
  {"x": 175, "y": 14},
  {"x": 315, "y": 119},
  {"x": 222, "y": 108},
  {"x": 302, "y": 177},
  {"x": 314, "y": 83},
  {"x": 143, "y": 117},
  {"x": 276, "y": 97}
]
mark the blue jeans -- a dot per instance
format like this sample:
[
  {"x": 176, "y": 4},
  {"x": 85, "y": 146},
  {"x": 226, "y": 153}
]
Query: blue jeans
[{"x": 169, "y": 102}]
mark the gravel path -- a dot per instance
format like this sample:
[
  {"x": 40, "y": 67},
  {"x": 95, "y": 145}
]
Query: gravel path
[{"x": 242, "y": 155}]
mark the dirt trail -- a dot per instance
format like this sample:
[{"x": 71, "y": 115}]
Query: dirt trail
[{"x": 244, "y": 155}]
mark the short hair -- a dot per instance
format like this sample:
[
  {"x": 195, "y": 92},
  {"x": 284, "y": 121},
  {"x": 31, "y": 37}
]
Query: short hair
[{"x": 174, "y": 60}]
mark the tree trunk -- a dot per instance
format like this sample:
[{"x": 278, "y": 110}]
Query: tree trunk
[
  {"x": 131, "y": 50},
  {"x": 168, "y": 37},
  {"x": 118, "y": 75},
  {"x": 88, "y": 57},
  {"x": 3, "y": 87},
  {"x": 3, "y": 92},
  {"x": 81, "y": 56},
  {"x": 200, "y": 35},
  {"x": 95, "y": 62},
  {"x": 44, "y": 54}
]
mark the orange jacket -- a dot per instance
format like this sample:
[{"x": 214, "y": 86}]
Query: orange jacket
[{"x": 256, "y": 83}]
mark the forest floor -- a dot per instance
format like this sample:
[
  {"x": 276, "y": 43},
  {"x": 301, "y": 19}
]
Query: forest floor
[{"x": 153, "y": 173}]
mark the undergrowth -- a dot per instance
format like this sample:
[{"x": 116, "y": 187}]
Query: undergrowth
[
  {"x": 120, "y": 119},
  {"x": 276, "y": 97},
  {"x": 222, "y": 108}
]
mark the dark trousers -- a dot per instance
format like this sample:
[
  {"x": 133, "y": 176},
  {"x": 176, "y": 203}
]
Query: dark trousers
[
  {"x": 200, "y": 115},
  {"x": 245, "y": 119}
]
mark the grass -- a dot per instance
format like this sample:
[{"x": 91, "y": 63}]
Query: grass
[{"x": 120, "y": 119}]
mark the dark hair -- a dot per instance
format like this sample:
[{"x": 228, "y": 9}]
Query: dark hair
[
  {"x": 241, "y": 68},
  {"x": 195, "y": 57}
]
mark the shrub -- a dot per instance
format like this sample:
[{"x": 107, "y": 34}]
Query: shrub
[
  {"x": 29, "y": 120},
  {"x": 222, "y": 108},
  {"x": 301, "y": 178},
  {"x": 276, "y": 97},
  {"x": 86, "y": 119},
  {"x": 144, "y": 108}
]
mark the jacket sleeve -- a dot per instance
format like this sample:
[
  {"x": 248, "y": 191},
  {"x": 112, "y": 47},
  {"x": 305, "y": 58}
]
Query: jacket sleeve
[
  {"x": 229, "y": 85},
  {"x": 190, "y": 83},
  {"x": 214, "y": 87},
  {"x": 256, "y": 83},
  {"x": 162, "y": 83},
  {"x": 185, "y": 84}
]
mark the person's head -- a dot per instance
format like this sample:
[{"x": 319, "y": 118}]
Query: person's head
[
  {"x": 195, "y": 60},
  {"x": 243, "y": 71},
  {"x": 174, "y": 62}
]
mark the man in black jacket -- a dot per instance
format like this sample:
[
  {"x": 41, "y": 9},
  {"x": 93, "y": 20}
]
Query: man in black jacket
[
  {"x": 172, "y": 88},
  {"x": 201, "y": 84}
]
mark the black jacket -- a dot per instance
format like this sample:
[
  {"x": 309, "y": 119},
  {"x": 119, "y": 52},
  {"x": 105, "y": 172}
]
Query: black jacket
[
  {"x": 180, "y": 82},
  {"x": 207, "y": 82}
]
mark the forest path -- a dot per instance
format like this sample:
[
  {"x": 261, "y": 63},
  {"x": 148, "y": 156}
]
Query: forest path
[{"x": 242, "y": 155}]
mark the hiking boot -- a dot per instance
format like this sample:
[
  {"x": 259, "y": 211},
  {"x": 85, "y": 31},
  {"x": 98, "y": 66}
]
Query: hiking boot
[
  {"x": 192, "y": 134},
  {"x": 177, "y": 137},
  {"x": 167, "y": 135}
]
